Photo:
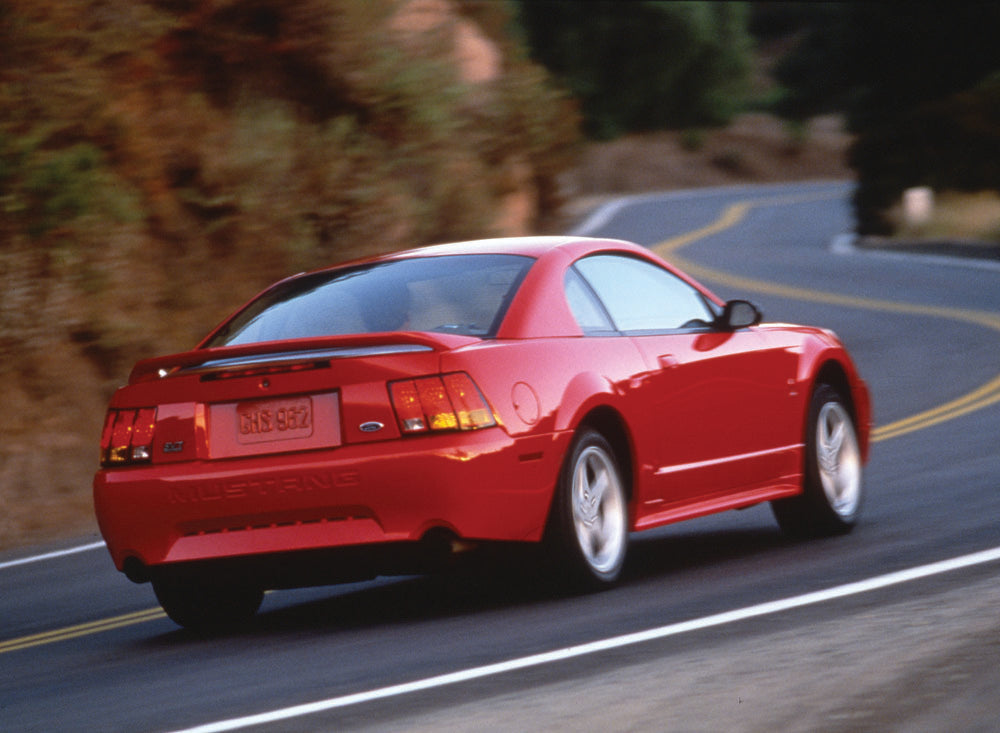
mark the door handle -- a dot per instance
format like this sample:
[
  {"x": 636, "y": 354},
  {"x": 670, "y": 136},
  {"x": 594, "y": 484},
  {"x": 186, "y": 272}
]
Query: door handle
[{"x": 668, "y": 361}]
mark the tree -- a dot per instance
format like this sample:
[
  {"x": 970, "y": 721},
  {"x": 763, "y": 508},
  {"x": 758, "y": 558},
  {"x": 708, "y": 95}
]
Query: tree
[
  {"x": 919, "y": 89},
  {"x": 643, "y": 65}
]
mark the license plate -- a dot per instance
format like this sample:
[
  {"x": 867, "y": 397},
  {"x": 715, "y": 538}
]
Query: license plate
[{"x": 279, "y": 419}]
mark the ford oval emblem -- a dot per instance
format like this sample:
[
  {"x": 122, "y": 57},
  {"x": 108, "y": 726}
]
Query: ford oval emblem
[{"x": 371, "y": 427}]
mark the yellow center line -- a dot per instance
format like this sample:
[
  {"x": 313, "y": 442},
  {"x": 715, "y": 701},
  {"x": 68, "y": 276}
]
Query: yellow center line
[
  {"x": 984, "y": 396},
  {"x": 71, "y": 632}
]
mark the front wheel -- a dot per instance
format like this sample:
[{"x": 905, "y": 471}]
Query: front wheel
[
  {"x": 588, "y": 531},
  {"x": 831, "y": 499}
]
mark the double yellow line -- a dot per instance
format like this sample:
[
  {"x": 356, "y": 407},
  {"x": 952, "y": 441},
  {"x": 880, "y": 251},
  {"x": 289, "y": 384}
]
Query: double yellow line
[
  {"x": 984, "y": 396},
  {"x": 71, "y": 632}
]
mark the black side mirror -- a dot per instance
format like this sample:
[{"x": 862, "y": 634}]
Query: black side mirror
[{"x": 739, "y": 314}]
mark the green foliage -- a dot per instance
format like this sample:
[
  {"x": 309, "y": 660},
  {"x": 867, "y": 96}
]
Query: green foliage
[
  {"x": 42, "y": 190},
  {"x": 813, "y": 77},
  {"x": 643, "y": 65},
  {"x": 693, "y": 139},
  {"x": 919, "y": 90},
  {"x": 798, "y": 135}
]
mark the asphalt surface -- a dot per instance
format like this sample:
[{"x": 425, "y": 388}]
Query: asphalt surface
[{"x": 82, "y": 649}]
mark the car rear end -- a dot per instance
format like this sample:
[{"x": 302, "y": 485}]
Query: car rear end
[
  {"x": 249, "y": 450},
  {"x": 347, "y": 445}
]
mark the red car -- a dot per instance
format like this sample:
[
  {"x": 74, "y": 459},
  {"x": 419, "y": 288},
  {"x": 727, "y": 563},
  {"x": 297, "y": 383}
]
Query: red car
[{"x": 374, "y": 417}]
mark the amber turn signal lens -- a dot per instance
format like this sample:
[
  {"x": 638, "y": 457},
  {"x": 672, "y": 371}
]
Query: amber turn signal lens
[
  {"x": 446, "y": 402},
  {"x": 470, "y": 406}
]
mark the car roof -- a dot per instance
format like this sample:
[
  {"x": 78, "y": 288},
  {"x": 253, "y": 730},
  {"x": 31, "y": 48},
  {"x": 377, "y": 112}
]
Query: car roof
[
  {"x": 533, "y": 246},
  {"x": 538, "y": 310},
  {"x": 530, "y": 246}
]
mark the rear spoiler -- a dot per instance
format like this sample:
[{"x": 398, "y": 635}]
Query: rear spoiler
[{"x": 294, "y": 351}]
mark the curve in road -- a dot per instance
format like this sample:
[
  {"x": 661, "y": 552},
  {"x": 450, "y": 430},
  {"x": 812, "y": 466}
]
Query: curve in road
[{"x": 984, "y": 396}]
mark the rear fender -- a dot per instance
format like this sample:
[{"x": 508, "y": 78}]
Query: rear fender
[{"x": 585, "y": 393}]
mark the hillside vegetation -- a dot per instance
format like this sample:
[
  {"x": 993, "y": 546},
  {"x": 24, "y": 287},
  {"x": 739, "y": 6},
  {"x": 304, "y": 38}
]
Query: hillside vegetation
[{"x": 162, "y": 160}]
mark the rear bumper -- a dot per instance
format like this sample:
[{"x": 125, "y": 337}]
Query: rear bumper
[{"x": 479, "y": 485}]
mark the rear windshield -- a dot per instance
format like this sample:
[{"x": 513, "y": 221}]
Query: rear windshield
[{"x": 463, "y": 294}]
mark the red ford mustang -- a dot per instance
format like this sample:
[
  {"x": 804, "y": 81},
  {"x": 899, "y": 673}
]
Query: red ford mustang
[{"x": 379, "y": 415}]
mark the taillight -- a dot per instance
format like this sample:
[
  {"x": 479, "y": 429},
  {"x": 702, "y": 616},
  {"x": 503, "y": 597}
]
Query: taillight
[
  {"x": 445, "y": 402},
  {"x": 407, "y": 403},
  {"x": 436, "y": 405},
  {"x": 470, "y": 407},
  {"x": 127, "y": 436},
  {"x": 142, "y": 434}
]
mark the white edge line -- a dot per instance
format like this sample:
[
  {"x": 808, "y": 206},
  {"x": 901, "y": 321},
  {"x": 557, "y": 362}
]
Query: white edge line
[
  {"x": 846, "y": 244},
  {"x": 615, "y": 642},
  {"x": 51, "y": 555}
]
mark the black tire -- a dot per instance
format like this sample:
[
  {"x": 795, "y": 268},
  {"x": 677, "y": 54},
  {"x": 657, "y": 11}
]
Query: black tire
[
  {"x": 204, "y": 603},
  {"x": 831, "y": 499},
  {"x": 588, "y": 526}
]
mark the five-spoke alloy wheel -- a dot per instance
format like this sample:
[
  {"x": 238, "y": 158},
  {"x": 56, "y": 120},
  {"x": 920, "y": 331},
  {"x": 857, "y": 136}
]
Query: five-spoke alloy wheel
[
  {"x": 832, "y": 490},
  {"x": 589, "y": 523}
]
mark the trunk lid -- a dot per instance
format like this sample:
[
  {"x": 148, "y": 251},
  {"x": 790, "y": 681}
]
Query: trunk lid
[{"x": 275, "y": 397}]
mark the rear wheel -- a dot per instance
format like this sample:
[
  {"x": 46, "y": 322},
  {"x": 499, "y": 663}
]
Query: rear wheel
[
  {"x": 832, "y": 492},
  {"x": 206, "y": 604},
  {"x": 588, "y": 531}
]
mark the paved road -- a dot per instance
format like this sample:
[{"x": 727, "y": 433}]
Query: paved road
[{"x": 81, "y": 649}]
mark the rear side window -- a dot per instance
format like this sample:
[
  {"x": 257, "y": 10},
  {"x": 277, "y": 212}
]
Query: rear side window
[
  {"x": 464, "y": 294},
  {"x": 642, "y": 297},
  {"x": 587, "y": 309}
]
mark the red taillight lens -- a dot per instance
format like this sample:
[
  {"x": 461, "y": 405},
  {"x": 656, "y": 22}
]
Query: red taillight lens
[
  {"x": 446, "y": 402},
  {"x": 121, "y": 437},
  {"x": 407, "y": 403},
  {"x": 127, "y": 436},
  {"x": 142, "y": 434},
  {"x": 109, "y": 426}
]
